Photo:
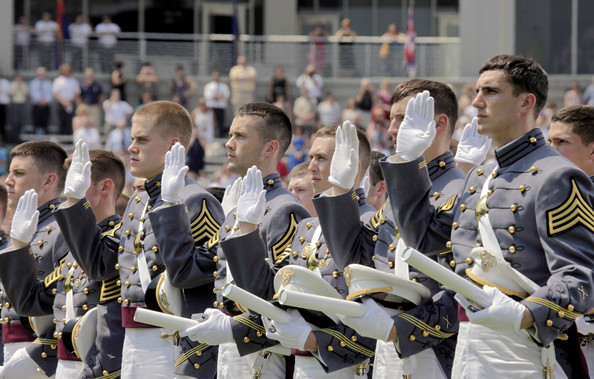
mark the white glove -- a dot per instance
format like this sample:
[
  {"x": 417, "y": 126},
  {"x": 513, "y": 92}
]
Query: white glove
[
  {"x": 375, "y": 323},
  {"x": 174, "y": 174},
  {"x": 417, "y": 130},
  {"x": 20, "y": 365},
  {"x": 504, "y": 314},
  {"x": 345, "y": 161},
  {"x": 365, "y": 184},
  {"x": 584, "y": 327},
  {"x": 251, "y": 204},
  {"x": 292, "y": 334},
  {"x": 78, "y": 179},
  {"x": 473, "y": 147},
  {"x": 231, "y": 196},
  {"x": 26, "y": 216},
  {"x": 214, "y": 330}
]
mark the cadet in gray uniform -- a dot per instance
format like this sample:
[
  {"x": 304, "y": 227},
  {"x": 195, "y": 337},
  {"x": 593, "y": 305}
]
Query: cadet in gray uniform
[
  {"x": 529, "y": 196},
  {"x": 259, "y": 135},
  {"x": 37, "y": 165},
  {"x": 3, "y": 245},
  {"x": 104, "y": 184}
]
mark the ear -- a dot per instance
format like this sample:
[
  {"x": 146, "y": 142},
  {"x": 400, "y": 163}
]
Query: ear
[
  {"x": 528, "y": 102},
  {"x": 441, "y": 123},
  {"x": 107, "y": 185},
  {"x": 50, "y": 180},
  {"x": 591, "y": 148},
  {"x": 271, "y": 148},
  {"x": 381, "y": 188}
]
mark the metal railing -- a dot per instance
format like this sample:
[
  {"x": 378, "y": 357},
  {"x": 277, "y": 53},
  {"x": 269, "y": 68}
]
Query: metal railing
[{"x": 202, "y": 54}]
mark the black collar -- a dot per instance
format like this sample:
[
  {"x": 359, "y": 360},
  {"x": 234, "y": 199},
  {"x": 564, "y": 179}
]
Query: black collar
[
  {"x": 519, "y": 148},
  {"x": 441, "y": 165}
]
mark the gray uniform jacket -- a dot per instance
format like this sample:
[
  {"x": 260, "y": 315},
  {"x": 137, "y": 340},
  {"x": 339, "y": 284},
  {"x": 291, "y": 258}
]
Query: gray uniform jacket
[
  {"x": 20, "y": 271},
  {"x": 105, "y": 357},
  {"x": 3, "y": 245},
  {"x": 540, "y": 207}
]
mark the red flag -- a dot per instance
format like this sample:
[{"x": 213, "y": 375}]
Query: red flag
[
  {"x": 409, "y": 47},
  {"x": 60, "y": 13}
]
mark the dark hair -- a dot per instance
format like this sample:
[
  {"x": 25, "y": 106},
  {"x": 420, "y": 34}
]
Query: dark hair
[
  {"x": 524, "y": 74},
  {"x": 581, "y": 118},
  {"x": 375, "y": 171},
  {"x": 217, "y": 192},
  {"x": 445, "y": 99},
  {"x": 274, "y": 125},
  {"x": 3, "y": 199},
  {"x": 300, "y": 170},
  {"x": 364, "y": 145},
  {"x": 105, "y": 164},
  {"x": 48, "y": 156}
]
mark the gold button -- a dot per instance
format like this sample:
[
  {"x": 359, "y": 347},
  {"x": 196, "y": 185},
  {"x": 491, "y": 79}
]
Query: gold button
[
  {"x": 236, "y": 228},
  {"x": 111, "y": 223},
  {"x": 330, "y": 348},
  {"x": 198, "y": 353},
  {"x": 513, "y": 207},
  {"x": 246, "y": 340},
  {"x": 563, "y": 337},
  {"x": 335, "y": 274},
  {"x": 390, "y": 264},
  {"x": 373, "y": 257},
  {"x": 270, "y": 182},
  {"x": 137, "y": 199},
  {"x": 452, "y": 263},
  {"x": 374, "y": 238},
  {"x": 489, "y": 192},
  {"x": 117, "y": 266},
  {"x": 63, "y": 307},
  {"x": 570, "y": 308},
  {"x": 215, "y": 304},
  {"x": 533, "y": 170},
  {"x": 455, "y": 225},
  {"x": 86, "y": 291},
  {"x": 442, "y": 164},
  {"x": 85, "y": 307},
  {"x": 54, "y": 291},
  {"x": 216, "y": 258},
  {"x": 392, "y": 247},
  {"x": 412, "y": 337},
  {"x": 221, "y": 306},
  {"x": 53, "y": 346},
  {"x": 126, "y": 301},
  {"x": 75, "y": 265},
  {"x": 449, "y": 244},
  {"x": 127, "y": 284},
  {"x": 149, "y": 207},
  {"x": 155, "y": 248},
  {"x": 164, "y": 335},
  {"x": 127, "y": 233},
  {"x": 561, "y": 314},
  {"x": 512, "y": 249},
  {"x": 472, "y": 189},
  {"x": 480, "y": 171},
  {"x": 55, "y": 333},
  {"x": 130, "y": 215},
  {"x": 142, "y": 219},
  {"x": 215, "y": 274},
  {"x": 532, "y": 140},
  {"x": 48, "y": 229},
  {"x": 469, "y": 261},
  {"x": 301, "y": 239},
  {"x": 120, "y": 300},
  {"x": 318, "y": 244},
  {"x": 44, "y": 355},
  {"x": 549, "y": 322},
  {"x": 60, "y": 335},
  {"x": 105, "y": 372},
  {"x": 436, "y": 195},
  {"x": 309, "y": 225},
  {"x": 196, "y": 366},
  {"x": 342, "y": 344},
  {"x": 522, "y": 188},
  {"x": 121, "y": 248},
  {"x": 425, "y": 333},
  {"x": 40, "y": 243},
  {"x": 512, "y": 229},
  {"x": 214, "y": 290},
  {"x": 155, "y": 267},
  {"x": 494, "y": 174},
  {"x": 437, "y": 327},
  {"x": 295, "y": 254},
  {"x": 52, "y": 207},
  {"x": 227, "y": 228},
  {"x": 7, "y": 320},
  {"x": 133, "y": 270},
  {"x": 119, "y": 283},
  {"x": 259, "y": 334}
]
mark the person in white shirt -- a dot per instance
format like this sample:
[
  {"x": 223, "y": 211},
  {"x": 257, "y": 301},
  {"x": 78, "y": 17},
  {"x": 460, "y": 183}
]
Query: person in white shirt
[
  {"x": 119, "y": 139},
  {"x": 47, "y": 32},
  {"x": 86, "y": 128},
  {"x": 22, "y": 37},
  {"x": 40, "y": 90},
  {"x": 329, "y": 111},
  {"x": 65, "y": 89},
  {"x": 217, "y": 95},
  {"x": 79, "y": 38},
  {"x": 108, "y": 38},
  {"x": 116, "y": 110},
  {"x": 312, "y": 82}
]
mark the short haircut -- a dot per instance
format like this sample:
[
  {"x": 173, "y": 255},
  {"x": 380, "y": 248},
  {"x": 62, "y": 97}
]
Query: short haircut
[
  {"x": 300, "y": 170},
  {"x": 169, "y": 119},
  {"x": 375, "y": 171},
  {"x": 445, "y": 99},
  {"x": 48, "y": 156},
  {"x": 217, "y": 192},
  {"x": 581, "y": 117},
  {"x": 524, "y": 74},
  {"x": 274, "y": 125},
  {"x": 364, "y": 145},
  {"x": 3, "y": 199}
]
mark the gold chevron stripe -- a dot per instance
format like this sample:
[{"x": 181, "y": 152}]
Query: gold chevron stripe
[
  {"x": 422, "y": 164},
  {"x": 54, "y": 276},
  {"x": 557, "y": 308},
  {"x": 375, "y": 220},
  {"x": 448, "y": 204},
  {"x": 110, "y": 289},
  {"x": 286, "y": 239},
  {"x": 113, "y": 375},
  {"x": 421, "y": 325},
  {"x": 45, "y": 341},
  {"x": 214, "y": 240},
  {"x": 572, "y": 212},
  {"x": 111, "y": 232},
  {"x": 347, "y": 341},
  {"x": 189, "y": 353},
  {"x": 249, "y": 323},
  {"x": 204, "y": 225}
]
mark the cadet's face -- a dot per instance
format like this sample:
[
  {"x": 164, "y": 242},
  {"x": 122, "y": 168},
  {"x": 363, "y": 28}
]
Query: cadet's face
[
  {"x": 397, "y": 112},
  {"x": 497, "y": 107},
  {"x": 24, "y": 174},
  {"x": 244, "y": 148},
  {"x": 302, "y": 189},
  {"x": 320, "y": 154},
  {"x": 147, "y": 151},
  {"x": 567, "y": 143}
]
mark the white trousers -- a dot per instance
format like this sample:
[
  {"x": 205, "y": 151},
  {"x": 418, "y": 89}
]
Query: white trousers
[
  {"x": 12, "y": 347},
  {"x": 309, "y": 367},
  {"x": 388, "y": 365},
  {"x": 147, "y": 355},
  {"x": 232, "y": 366},
  {"x": 69, "y": 369},
  {"x": 21, "y": 366},
  {"x": 484, "y": 353}
]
